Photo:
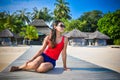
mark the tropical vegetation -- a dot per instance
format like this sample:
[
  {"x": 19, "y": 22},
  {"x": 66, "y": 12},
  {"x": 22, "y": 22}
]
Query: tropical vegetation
[
  {"x": 29, "y": 32},
  {"x": 110, "y": 25},
  {"x": 61, "y": 10},
  {"x": 18, "y": 21}
]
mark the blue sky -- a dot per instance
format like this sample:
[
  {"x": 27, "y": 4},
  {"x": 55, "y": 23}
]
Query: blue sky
[{"x": 77, "y": 7}]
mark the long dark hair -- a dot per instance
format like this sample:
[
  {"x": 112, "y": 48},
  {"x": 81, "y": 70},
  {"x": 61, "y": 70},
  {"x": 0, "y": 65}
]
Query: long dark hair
[{"x": 53, "y": 34}]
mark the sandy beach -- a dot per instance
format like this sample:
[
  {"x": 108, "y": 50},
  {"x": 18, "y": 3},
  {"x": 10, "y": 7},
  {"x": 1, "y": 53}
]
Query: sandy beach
[
  {"x": 104, "y": 56},
  {"x": 8, "y": 54}
]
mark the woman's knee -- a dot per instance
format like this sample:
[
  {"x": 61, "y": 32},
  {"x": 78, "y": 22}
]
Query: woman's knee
[
  {"x": 31, "y": 65},
  {"x": 36, "y": 63},
  {"x": 41, "y": 68}
]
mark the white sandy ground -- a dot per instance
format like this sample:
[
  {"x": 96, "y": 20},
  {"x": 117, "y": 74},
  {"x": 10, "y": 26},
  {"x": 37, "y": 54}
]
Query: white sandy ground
[
  {"x": 103, "y": 56},
  {"x": 9, "y": 54}
]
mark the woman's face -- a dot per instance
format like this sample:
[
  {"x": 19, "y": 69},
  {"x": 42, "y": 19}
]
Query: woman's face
[{"x": 60, "y": 27}]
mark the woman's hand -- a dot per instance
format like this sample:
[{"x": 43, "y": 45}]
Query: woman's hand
[{"x": 67, "y": 69}]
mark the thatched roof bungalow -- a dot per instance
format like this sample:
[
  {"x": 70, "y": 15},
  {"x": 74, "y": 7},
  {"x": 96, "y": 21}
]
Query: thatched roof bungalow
[
  {"x": 41, "y": 26},
  {"x": 76, "y": 37},
  {"x": 6, "y": 33},
  {"x": 98, "y": 35},
  {"x": 87, "y": 38},
  {"x": 43, "y": 30},
  {"x": 98, "y": 38},
  {"x": 75, "y": 34},
  {"x": 5, "y": 37}
]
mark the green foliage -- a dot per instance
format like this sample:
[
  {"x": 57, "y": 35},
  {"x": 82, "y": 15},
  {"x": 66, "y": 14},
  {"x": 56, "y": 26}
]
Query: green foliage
[
  {"x": 3, "y": 17},
  {"x": 23, "y": 16},
  {"x": 10, "y": 21},
  {"x": 117, "y": 42},
  {"x": 29, "y": 32},
  {"x": 61, "y": 10},
  {"x": 73, "y": 24},
  {"x": 91, "y": 19},
  {"x": 88, "y": 22},
  {"x": 44, "y": 14},
  {"x": 110, "y": 25}
]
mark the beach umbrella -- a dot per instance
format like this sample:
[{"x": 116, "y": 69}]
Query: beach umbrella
[
  {"x": 98, "y": 35},
  {"x": 6, "y": 33},
  {"x": 76, "y": 34}
]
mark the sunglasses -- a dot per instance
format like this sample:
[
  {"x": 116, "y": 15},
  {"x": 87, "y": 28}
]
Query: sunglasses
[{"x": 62, "y": 26}]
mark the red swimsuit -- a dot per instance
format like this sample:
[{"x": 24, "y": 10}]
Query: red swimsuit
[{"x": 55, "y": 52}]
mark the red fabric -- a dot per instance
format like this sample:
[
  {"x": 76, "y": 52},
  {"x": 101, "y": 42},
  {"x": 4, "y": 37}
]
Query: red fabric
[{"x": 55, "y": 52}]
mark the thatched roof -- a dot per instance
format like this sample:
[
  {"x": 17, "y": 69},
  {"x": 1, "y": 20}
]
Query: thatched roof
[
  {"x": 76, "y": 34},
  {"x": 41, "y": 26},
  {"x": 39, "y": 23},
  {"x": 6, "y": 33},
  {"x": 88, "y": 35},
  {"x": 98, "y": 35}
]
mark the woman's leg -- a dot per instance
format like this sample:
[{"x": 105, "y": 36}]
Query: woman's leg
[
  {"x": 30, "y": 66},
  {"x": 44, "y": 67}
]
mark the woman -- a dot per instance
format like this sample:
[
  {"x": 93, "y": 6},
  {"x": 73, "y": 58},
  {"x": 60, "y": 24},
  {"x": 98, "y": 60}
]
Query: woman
[{"x": 45, "y": 58}]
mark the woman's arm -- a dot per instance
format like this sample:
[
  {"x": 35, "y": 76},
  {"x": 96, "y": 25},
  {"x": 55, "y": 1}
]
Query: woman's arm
[
  {"x": 44, "y": 45},
  {"x": 64, "y": 54}
]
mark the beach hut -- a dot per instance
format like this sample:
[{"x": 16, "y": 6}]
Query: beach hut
[
  {"x": 6, "y": 33},
  {"x": 98, "y": 35},
  {"x": 100, "y": 38},
  {"x": 75, "y": 33},
  {"x": 17, "y": 39},
  {"x": 89, "y": 40},
  {"x": 5, "y": 37},
  {"x": 43, "y": 30},
  {"x": 41, "y": 26},
  {"x": 76, "y": 37}
]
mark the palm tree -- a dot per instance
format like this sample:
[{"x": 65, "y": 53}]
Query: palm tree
[
  {"x": 61, "y": 10},
  {"x": 12, "y": 23},
  {"x": 24, "y": 16},
  {"x": 44, "y": 14},
  {"x": 36, "y": 13}
]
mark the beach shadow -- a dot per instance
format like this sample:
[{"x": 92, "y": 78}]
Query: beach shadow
[
  {"x": 91, "y": 69},
  {"x": 56, "y": 71}
]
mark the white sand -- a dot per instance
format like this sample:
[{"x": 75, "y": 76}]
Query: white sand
[
  {"x": 9, "y": 54},
  {"x": 104, "y": 56}
]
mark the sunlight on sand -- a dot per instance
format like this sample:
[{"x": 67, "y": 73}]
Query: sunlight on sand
[
  {"x": 103, "y": 56},
  {"x": 9, "y": 54}
]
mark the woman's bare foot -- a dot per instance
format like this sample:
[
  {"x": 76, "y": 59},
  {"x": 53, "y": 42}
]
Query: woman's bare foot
[{"x": 14, "y": 68}]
